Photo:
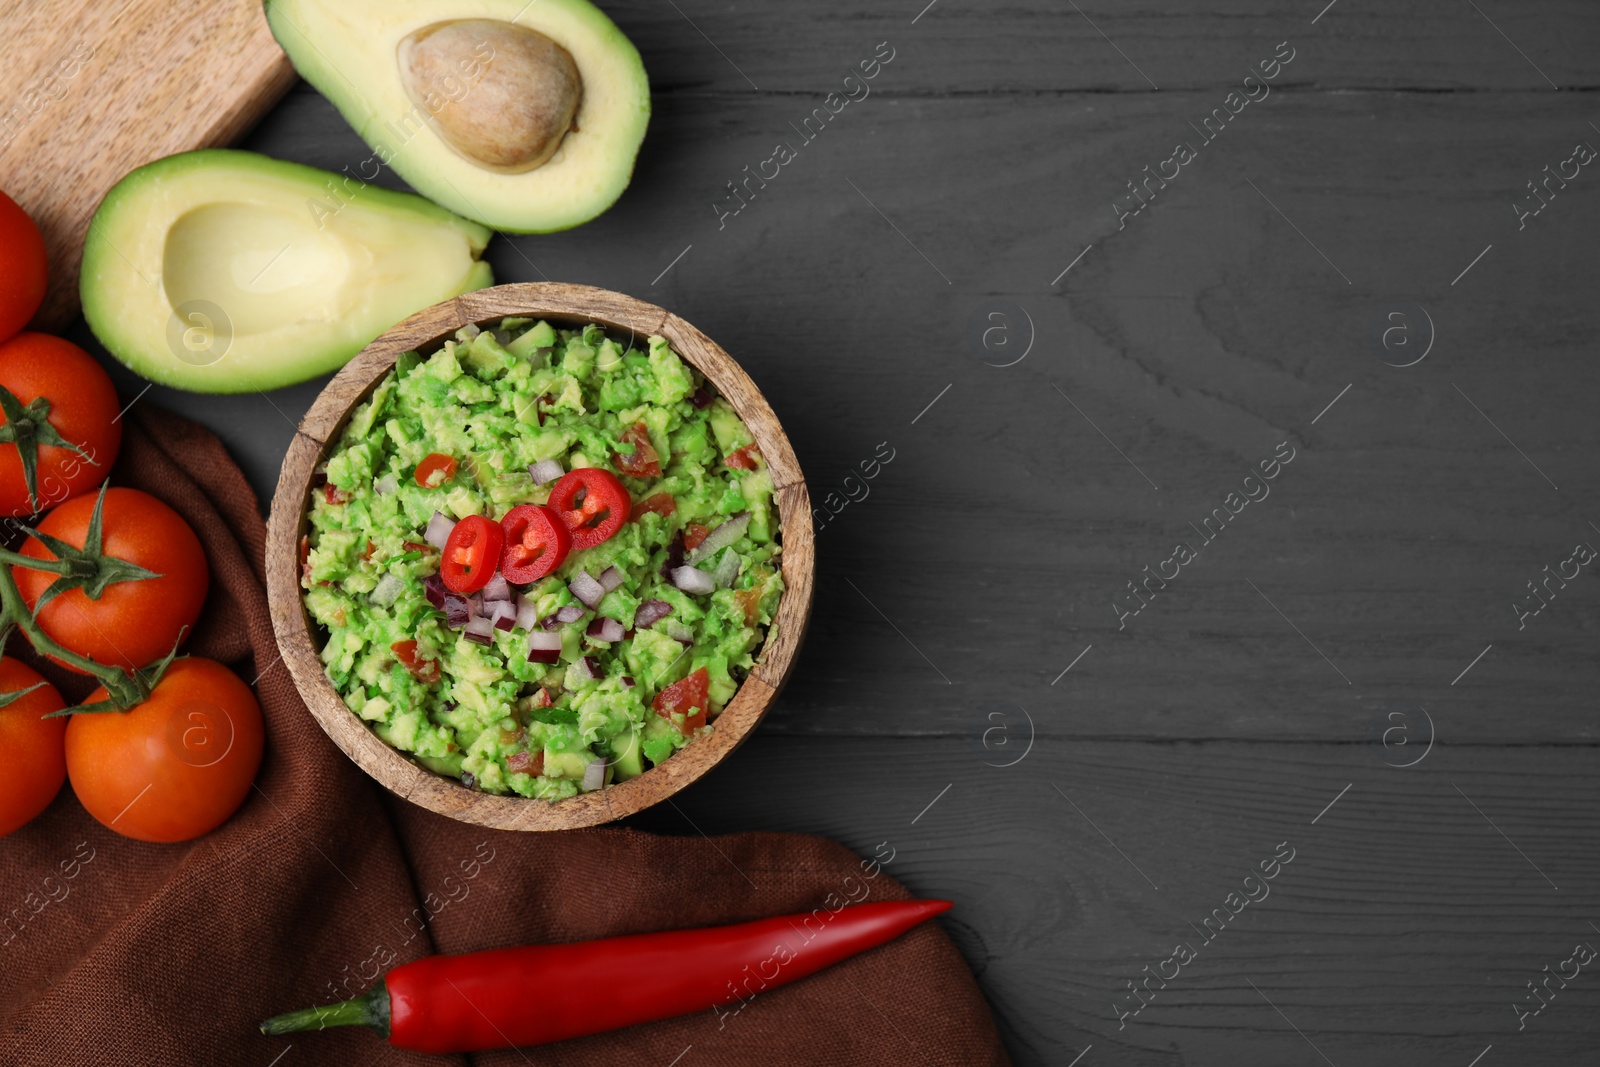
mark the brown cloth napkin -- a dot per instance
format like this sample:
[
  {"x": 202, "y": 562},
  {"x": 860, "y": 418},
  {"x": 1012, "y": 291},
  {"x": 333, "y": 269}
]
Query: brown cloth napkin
[{"x": 117, "y": 951}]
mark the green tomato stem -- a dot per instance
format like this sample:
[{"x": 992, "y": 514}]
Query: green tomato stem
[
  {"x": 17, "y": 559},
  {"x": 124, "y": 690}
]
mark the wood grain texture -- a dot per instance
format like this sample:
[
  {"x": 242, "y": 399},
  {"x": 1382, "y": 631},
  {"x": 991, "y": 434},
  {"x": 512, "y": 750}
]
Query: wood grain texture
[
  {"x": 1195, "y": 339},
  {"x": 424, "y": 331},
  {"x": 95, "y": 90},
  {"x": 1401, "y": 932}
]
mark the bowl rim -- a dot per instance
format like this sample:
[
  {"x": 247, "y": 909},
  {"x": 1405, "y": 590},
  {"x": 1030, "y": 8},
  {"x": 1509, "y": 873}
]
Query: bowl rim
[{"x": 324, "y": 422}]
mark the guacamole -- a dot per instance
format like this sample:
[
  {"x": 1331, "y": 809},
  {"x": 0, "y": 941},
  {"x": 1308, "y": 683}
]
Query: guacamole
[{"x": 624, "y": 652}]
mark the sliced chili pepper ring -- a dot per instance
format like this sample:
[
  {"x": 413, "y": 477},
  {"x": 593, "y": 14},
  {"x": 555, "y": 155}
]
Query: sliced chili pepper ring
[
  {"x": 471, "y": 554},
  {"x": 536, "y": 543},
  {"x": 603, "y": 508}
]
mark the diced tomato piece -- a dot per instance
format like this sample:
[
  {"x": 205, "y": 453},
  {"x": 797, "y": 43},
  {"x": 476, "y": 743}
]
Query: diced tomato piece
[
  {"x": 435, "y": 463},
  {"x": 750, "y": 601},
  {"x": 526, "y": 762},
  {"x": 689, "y": 697},
  {"x": 541, "y": 699},
  {"x": 422, "y": 668},
  {"x": 661, "y": 504},
  {"x": 742, "y": 459},
  {"x": 417, "y": 546},
  {"x": 366, "y": 553},
  {"x": 693, "y": 536},
  {"x": 643, "y": 462},
  {"x": 333, "y": 494}
]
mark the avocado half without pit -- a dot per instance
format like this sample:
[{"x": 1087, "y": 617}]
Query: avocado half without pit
[
  {"x": 524, "y": 116},
  {"x": 221, "y": 271}
]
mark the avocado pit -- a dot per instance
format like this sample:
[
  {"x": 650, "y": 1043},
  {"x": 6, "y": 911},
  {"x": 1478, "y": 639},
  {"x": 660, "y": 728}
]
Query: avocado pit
[{"x": 500, "y": 94}]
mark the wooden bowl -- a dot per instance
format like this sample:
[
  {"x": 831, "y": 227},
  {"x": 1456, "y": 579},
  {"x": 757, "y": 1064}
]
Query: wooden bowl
[{"x": 425, "y": 331}]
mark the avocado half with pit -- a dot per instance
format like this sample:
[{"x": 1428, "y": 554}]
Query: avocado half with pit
[
  {"x": 523, "y": 114},
  {"x": 220, "y": 271}
]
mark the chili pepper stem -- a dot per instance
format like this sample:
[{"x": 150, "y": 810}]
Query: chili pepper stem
[{"x": 370, "y": 1009}]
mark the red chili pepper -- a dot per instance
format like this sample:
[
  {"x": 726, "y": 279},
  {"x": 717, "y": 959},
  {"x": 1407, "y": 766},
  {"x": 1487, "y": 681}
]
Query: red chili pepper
[
  {"x": 603, "y": 510},
  {"x": 543, "y": 993},
  {"x": 537, "y": 542},
  {"x": 471, "y": 554}
]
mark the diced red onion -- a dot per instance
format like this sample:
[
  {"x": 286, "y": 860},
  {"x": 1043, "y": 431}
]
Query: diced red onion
[
  {"x": 594, "y": 776},
  {"x": 611, "y": 577},
  {"x": 457, "y": 611},
  {"x": 587, "y": 668},
  {"x": 497, "y": 588},
  {"x": 562, "y": 616},
  {"x": 692, "y": 580},
  {"x": 651, "y": 612},
  {"x": 438, "y": 531},
  {"x": 527, "y": 613},
  {"x": 727, "y": 569},
  {"x": 701, "y": 398},
  {"x": 480, "y": 629},
  {"x": 385, "y": 485},
  {"x": 603, "y": 629},
  {"x": 543, "y": 647},
  {"x": 679, "y": 632},
  {"x": 500, "y": 613},
  {"x": 674, "y": 555},
  {"x": 387, "y": 590},
  {"x": 587, "y": 589},
  {"x": 720, "y": 538},
  {"x": 627, "y": 681},
  {"x": 475, "y": 605},
  {"x": 434, "y": 589},
  {"x": 546, "y": 470}
]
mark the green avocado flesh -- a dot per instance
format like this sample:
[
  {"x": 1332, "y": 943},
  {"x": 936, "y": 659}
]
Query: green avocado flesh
[
  {"x": 227, "y": 272},
  {"x": 524, "y": 116},
  {"x": 498, "y": 401}
]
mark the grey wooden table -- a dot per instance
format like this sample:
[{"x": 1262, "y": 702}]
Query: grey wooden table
[{"x": 1076, "y": 342}]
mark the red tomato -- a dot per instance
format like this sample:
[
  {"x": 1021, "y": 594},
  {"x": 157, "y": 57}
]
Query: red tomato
[
  {"x": 23, "y": 269},
  {"x": 689, "y": 697},
  {"x": 176, "y": 766},
  {"x": 333, "y": 494},
  {"x": 742, "y": 459},
  {"x": 471, "y": 554},
  {"x": 421, "y": 667},
  {"x": 661, "y": 503},
  {"x": 537, "y": 542},
  {"x": 694, "y": 535},
  {"x": 81, "y": 404},
  {"x": 134, "y": 623},
  {"x": 36, "y": 761},
  {"x": 435, "y": 463},
  {"x": 604, "y": 507},
  {"x": 643, "y": 461}
]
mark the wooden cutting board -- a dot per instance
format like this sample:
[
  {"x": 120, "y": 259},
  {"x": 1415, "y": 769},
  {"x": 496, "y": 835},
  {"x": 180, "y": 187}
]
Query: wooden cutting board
[{"x": 95, "y": 89}]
